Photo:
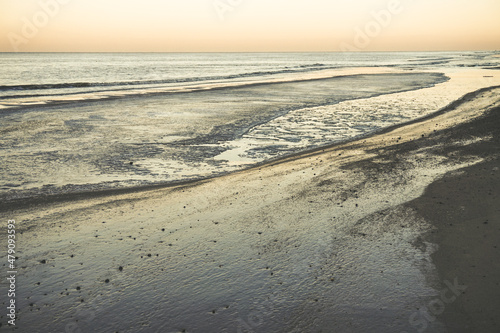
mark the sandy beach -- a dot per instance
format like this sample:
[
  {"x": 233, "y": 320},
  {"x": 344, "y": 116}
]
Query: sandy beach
[
  {"x": 231, "y": 166},
  {"x": 396, "y": 232}
]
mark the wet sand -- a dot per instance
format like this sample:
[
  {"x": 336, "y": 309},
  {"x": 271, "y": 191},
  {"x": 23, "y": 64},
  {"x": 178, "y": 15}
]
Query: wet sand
[
  {"x": 464, "y": 209},
  {"x": 358, "y": 237}
]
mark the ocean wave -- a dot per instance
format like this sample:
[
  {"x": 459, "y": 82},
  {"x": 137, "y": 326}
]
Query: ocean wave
[
  {"x": 31, "y": 99},
  {"x": 421, "y": 59},
  {"x": 69, "y": 85}
]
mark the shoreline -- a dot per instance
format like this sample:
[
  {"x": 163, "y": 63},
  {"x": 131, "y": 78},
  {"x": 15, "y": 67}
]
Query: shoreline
[
  {"x": 21, "y": 203},
  {"x": 341, "y": 238},
  {"x": 45, "y": 193}
]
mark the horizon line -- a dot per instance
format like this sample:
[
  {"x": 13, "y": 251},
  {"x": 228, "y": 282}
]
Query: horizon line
[{"x": 361, "y": 51}]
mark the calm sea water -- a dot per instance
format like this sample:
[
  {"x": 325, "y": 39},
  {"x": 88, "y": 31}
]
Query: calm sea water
[{"x": 87, "y": 122}]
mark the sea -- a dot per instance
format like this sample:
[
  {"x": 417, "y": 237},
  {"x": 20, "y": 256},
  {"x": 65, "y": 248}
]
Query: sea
[{"x": 73, "y": 123}]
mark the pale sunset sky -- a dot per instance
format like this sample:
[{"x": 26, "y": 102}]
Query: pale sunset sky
[{"x": 248, "y": 25}]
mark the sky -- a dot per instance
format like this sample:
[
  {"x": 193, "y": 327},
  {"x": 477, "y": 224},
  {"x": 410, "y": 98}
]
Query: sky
[{"x": 248, "y": 25}]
